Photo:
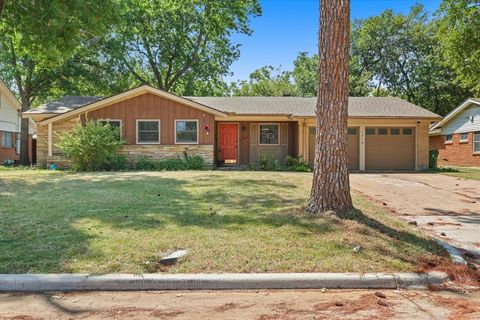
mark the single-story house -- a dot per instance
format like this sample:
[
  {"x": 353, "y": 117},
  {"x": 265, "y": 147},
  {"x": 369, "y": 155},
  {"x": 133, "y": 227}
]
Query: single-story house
[
  {"x": 384, "y": 133},
  {"x": 10, "y": 123},
  {"x": 457, "y": 136}
]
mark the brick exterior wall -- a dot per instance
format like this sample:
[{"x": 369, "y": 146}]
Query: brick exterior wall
[
  {"x": 132, "y": 151},
  {"x": 455, "y": 153},
  {"x": 11, "y": 153}
]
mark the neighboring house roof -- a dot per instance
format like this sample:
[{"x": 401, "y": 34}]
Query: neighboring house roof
[
  {"x": 6, "y": 90},
  {"x": 453, "y": 114},
  {"x": 368, "y": 107}
]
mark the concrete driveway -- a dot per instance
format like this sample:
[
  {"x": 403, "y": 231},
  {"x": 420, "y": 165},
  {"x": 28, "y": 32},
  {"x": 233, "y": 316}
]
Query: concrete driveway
[{"x": 447, "y": 207}]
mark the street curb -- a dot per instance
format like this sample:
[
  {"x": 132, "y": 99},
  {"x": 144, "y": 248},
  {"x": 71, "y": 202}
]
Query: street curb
[{"x": 227, "y": 281}]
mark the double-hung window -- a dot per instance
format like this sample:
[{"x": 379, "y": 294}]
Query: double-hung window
[
  {"x": 7, "y": 141},
  {"x": 269, "y": 134},
  {"x": 448, "y": 138},
  {"x": 464, "y": 137},
  {"x": 476, "y": 142},
  {"x": 186, "y": 131},
  {"x": 148, "y": 131}
]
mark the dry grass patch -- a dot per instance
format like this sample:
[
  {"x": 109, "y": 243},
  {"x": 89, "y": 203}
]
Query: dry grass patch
[{"x": 229, "y": 222}]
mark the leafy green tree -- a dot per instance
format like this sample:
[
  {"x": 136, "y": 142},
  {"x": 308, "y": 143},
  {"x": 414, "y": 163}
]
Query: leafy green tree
[
  {"x": 266, "y": 81},
  {"x": 173, "y": 45},
  {"x": 401, "y": 56},
  {"x": 36, "y": 38},
  {"x": 459, "y": 34},
  {"x": 305, "y": 74}
]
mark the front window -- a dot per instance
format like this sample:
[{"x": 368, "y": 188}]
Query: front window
[
  {"x": 448, "y": 138},
  {"x": 148, "y": 131},
  {"x": 464, "y": 137},
  {"x": 476, "y": 142},
  {"x": 269, "y": 134},
  {"x": 7, "y": 141},
  {"x": 186, "y": 131}
]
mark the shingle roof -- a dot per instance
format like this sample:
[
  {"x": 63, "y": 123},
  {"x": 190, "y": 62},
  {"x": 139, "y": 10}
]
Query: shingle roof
[
  {"x": 295, "y": 106},
  {"x": 65, "y": 104},
  {"x": 298, "y": 106}
]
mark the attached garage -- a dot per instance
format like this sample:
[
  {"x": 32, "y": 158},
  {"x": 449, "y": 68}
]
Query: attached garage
[
  {"x": 389, "y": 148},
  {"x": 353, "y": 147}
]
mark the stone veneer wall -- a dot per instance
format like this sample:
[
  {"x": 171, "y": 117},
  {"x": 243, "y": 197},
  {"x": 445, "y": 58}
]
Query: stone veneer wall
[{"x": 157, "y": 151}]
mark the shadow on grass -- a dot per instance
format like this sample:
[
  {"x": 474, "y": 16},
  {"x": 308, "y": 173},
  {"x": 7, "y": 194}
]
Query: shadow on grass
[
  {"x": 49, "y": 222},
  {"x": 428, "y": 245}
]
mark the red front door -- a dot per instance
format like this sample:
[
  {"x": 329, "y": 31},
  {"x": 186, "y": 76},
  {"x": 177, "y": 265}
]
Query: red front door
[{"x": 228, "y": 142}]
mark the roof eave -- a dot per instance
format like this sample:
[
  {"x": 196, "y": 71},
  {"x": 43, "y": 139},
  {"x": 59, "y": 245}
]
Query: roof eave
[{"x": 131, "y": 94}]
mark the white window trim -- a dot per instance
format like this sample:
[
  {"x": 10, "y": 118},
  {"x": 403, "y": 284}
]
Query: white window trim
[
  {"x": 159, "y": 131},
  {"x": 198, "y": 131},
  {"x": 279, "y": 134},
  {"x": 448, "y": 141},
  {"x": 460, "y": 137},
  {"x": 118, "y": 120},
  {"x": 473, "y": 142}
]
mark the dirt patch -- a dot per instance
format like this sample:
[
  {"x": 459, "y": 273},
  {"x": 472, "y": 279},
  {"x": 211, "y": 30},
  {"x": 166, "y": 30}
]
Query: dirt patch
[
  {"x": 370, "y": 305},
  {"x": 460, "y": 309}
]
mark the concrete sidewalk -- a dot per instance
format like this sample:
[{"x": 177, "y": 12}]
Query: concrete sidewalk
[{"x": 126, "y": 282}]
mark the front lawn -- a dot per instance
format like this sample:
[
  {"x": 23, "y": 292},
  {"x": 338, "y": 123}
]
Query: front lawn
[
  {"x": 229, "y": 222},
  {"x": 463, "y": 172}
]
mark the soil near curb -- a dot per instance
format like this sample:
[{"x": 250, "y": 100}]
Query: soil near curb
[{"x": 262, "y": 304}]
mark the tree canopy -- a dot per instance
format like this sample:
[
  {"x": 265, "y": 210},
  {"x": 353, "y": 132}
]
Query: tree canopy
[{"x": 179, "y": 46}]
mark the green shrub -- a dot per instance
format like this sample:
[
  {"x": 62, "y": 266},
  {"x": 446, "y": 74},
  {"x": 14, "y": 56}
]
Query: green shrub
[
  {"x": 117, "y": 163},
  {"x": 267, "y": 163},
  {"x": 145, "y": 164},
  {"x": 174, "y": 164},
  {"x": 296, "y": 164},
  {"x": 194, "y": 162},
  {"x": 89, "y": 147}
]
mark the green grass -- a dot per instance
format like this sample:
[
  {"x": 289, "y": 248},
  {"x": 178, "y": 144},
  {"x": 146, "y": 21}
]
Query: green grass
[
  {"x": 462, "y": 172},
  {"x": 229, "y": 222}
]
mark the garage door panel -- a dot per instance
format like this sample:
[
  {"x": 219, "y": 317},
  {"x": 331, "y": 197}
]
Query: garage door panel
[
  {"x": 353, "y": 147},
  {"x": 387, "y": 149}
]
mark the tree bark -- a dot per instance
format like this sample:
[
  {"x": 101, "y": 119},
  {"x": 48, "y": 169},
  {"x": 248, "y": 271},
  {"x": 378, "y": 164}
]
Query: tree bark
[
  {"x": 331, "y": 185},
  {"x": 24, "y": 130}
]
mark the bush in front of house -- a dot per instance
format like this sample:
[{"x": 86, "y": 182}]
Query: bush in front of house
[
  {"x": 296, "y": 164},
  {"x": 92, "y": 146},
  {"x": 267, "y": 163},
  {"x": 187, "y": 162}
]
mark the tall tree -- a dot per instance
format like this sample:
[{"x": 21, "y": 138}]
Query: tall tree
[
  {"x": 36, "y": 38},
  {"x": 266, "y": 81},
  {"x": 459, "y": 34},
  {"x": 401, "y": 56},
  {"x": 305, "y": 75},
  {"x": 331, "y": 185},
  {"x": 172, "y": 45}
]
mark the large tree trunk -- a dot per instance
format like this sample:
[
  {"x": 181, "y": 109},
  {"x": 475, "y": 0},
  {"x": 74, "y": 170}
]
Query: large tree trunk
[
  {"x": 24, "y": 149},
  {"x": 331, "y": 185}
]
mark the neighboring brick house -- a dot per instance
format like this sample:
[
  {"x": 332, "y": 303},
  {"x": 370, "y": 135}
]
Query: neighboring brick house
[
  {"x": 457, "y": 136},
  {"x": 10, "y": 120},
  {"x": 384, "y": 133}
]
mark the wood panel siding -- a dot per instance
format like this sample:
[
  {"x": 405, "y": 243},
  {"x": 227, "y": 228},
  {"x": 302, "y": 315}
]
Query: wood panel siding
[{"x": 149, "y": 106}]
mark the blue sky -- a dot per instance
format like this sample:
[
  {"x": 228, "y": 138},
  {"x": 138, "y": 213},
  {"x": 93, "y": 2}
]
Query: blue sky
[{"x": 287, "y": 27}]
